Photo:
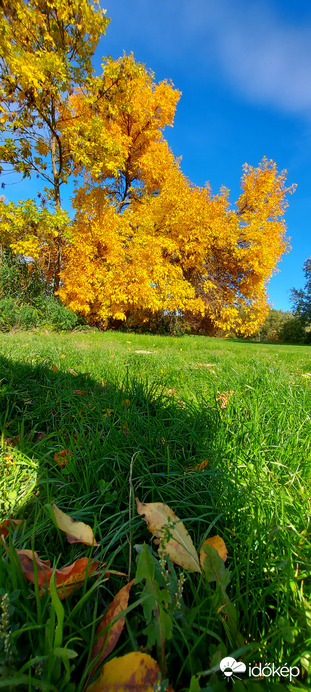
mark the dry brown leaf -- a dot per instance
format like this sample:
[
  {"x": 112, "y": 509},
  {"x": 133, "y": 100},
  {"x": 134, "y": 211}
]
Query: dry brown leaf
[
  {"x": 11, "y": 441},
  {"x": 106, "y": 643},
  {"x": 134, "y": 672},
  {"x": 205, "y": 365},
  {"x": 76, "y": 531},
  {"x": 67, "y": 579},
  {"x": 38, "y": 436},
  {"x": 4, "y": 530},
  {"x": 141, "y": 351},
  {"x": 219, "y": 545},
  {"x": 54, "y": 368},
  {"x": 224, "y": 398},
  {"x": 179, "y": 547}
]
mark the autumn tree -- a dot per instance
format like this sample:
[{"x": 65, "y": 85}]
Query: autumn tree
[
  {"x": 46, "y": 48},
  {"x": 144, "y": 237}
]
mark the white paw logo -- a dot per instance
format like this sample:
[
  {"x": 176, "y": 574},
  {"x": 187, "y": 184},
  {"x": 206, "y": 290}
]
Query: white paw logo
[{"x": 230, "y": 667}]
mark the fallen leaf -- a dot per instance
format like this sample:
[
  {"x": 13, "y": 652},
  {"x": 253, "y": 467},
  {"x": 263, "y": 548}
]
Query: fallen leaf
[
  {"x": 39, "y": 436},
  {"x": 106, "y": 643},
  {"x": 11, "y": 441},
  {"x": 54, "y": 368},
  {"x": 141, "y": 351},
  {"x": 76, "y": 531},
  {"x": 108, "y": 412},
  {"x": 8, "y": 523},
  {"x": 201, "y": 466},
  {"x": 180, "y": 549},
  {"x": 224, "y": 398},
  {"x": 134, "y": 672},
  {"x": 63, "y": 457},
  {"x": 219, "y": 545},
  {"x": 205, "y": 365},
  {"x": 63, "y": 355},
  {"x": 66, "y": 579}
]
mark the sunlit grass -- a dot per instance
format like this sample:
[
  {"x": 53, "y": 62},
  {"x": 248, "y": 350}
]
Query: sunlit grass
[{"x": 101, "y": 404}]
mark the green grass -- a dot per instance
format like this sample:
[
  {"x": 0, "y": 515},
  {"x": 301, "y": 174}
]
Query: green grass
[{"x": 254, "y": 492}]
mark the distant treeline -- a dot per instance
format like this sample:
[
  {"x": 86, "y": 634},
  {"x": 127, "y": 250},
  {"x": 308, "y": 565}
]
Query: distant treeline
[{"x": 283, "y": 327}]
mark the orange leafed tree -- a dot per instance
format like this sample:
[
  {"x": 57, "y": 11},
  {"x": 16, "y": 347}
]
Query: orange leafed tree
[{"x": 144, "y": 238}]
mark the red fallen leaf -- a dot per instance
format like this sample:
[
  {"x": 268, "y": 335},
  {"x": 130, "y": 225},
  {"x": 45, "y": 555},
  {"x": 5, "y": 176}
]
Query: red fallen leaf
[
  {"x": 67, "y": 578},
  {"x": 106, "y": 643},
  {"x": 8, "y": 522},
  {"x": 80, "y": 391},
  {"x": 11, "y": 441}
]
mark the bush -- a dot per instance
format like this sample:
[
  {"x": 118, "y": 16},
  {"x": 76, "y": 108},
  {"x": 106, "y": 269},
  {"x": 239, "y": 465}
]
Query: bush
[
  {"x": 46, "y": 312},
  {"x": 293, "y": 332},
  {"x": 26, "y": 300},
  {"x": 21, "y": 280}
]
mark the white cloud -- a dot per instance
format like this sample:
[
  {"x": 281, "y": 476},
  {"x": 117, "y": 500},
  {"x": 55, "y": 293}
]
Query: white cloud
[
  {"x": 263, "y": 55},
  {"x": 251, "y": 43}
]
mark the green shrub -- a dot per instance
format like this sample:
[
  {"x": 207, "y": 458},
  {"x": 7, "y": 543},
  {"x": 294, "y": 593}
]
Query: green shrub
[{"x": 26, "y": 300}]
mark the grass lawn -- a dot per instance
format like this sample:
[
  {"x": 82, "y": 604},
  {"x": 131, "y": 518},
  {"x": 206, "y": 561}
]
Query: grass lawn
[{"x": 221, "y": 432}]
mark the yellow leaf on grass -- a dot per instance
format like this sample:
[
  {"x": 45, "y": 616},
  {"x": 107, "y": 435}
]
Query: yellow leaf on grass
[
  {"x": 76, "y": 531},
  {"x": 179, "y": 547},
  {"x": 219, "y": 545},
  {"x": 134, "y": 672}
]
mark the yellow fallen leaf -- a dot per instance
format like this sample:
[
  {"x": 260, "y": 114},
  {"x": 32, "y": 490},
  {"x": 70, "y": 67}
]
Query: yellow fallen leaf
[
  {"x": 219, "y": 545},
  {"x": 134, "y": 672},
  {"x": 160, "y": 518},
  {"x": 77, "y": 531},
  {"x": 63, "y": 355},
  {"x": 201, "y": 466}
]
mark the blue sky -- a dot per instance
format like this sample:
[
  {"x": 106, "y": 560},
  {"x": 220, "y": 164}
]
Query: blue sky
[{"x": 244, "y": 70}]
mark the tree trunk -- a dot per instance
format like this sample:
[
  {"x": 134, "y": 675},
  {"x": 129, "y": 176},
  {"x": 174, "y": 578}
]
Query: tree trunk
[{"x": 58, "y": 205}]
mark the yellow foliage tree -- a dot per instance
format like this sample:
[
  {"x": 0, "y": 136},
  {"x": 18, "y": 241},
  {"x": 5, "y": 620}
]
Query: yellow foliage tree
[
  {"x": 46, "y": 48},
  {"x": 144, "y": 237}
]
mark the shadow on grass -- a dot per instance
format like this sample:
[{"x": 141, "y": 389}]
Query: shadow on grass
[{"x": 70, "y": 438}]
